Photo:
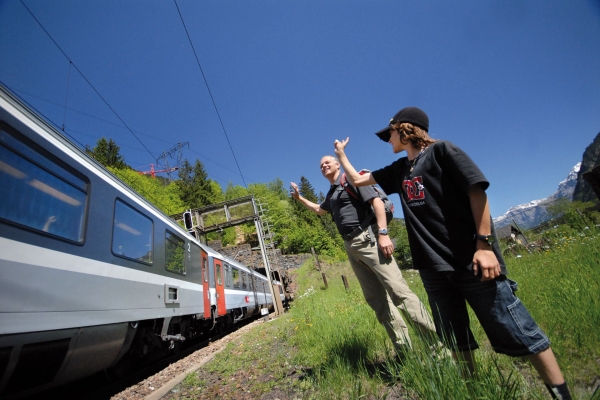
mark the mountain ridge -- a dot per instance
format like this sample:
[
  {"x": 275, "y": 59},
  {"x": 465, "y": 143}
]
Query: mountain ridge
[{"x": 529, "y": 215}]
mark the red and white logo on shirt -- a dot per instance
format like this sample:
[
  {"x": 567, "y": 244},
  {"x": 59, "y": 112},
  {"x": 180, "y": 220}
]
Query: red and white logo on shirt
[{"x": 414, "y": 189}]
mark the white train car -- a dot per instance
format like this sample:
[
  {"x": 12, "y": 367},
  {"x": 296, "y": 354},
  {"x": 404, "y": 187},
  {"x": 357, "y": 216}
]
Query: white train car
[{"x": 92, "y": 276}]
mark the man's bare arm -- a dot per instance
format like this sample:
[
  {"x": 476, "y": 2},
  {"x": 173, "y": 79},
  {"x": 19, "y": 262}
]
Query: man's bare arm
[
  {"x": 314, "y": 207},
  {"x": 353, "y": 176}
]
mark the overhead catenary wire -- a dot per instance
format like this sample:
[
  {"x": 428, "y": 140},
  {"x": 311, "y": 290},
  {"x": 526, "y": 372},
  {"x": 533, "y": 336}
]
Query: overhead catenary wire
[
  {"x": 88, "y": 82},
  {"x": 67, "y": 97},
  {"x": 74, "y": 110},
  {"x": 122, "y": 177},
  {"x": 38, "y": 112},
  {"x": 124, "y": 124},
  {"x": 209, "y": 92},
  {"x": 71, "y": 130}
]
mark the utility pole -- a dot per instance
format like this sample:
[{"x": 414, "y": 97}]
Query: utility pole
[{"x": 169, "y": 153}]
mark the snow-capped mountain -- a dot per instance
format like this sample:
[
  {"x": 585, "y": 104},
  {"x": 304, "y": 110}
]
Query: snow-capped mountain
[
  {"x": 534, "y": 213},
  {"x": 566, "y": 187}
]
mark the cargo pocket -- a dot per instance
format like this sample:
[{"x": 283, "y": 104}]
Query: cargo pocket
[
  {"x": 522, "y": 318},
  {"x": 514, "y": 286}
]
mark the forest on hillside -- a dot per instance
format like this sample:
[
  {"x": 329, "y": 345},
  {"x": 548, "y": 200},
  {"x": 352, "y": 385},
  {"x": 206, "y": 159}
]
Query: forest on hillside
[{"x": 296, "y": 229}]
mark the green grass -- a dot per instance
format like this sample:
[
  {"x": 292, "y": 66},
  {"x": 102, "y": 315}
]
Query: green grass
[
  {"x": 330, "y": 346},
  {"x": 350, "y": 355},
  {"x": 561, "y": 288}
]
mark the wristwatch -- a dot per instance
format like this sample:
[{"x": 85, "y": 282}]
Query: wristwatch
[
  {"x": 383, "y": 231},
  {"x": 488, "y": 239}
]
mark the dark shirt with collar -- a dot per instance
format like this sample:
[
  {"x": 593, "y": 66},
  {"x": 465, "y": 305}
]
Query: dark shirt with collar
[{"x": 348, "y": 211}]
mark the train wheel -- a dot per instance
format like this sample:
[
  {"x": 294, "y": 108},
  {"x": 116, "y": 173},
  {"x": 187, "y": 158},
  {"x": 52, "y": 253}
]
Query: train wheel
[{"x": 125, "y": 367}]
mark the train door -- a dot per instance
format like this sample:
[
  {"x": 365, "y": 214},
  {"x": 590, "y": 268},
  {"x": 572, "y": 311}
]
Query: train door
[
  {"x": 205, "y": 287},
  {"x": 254, "y": 289},
  {"x": 265, "y": 291},
  {"x": 220, "y": 287}
]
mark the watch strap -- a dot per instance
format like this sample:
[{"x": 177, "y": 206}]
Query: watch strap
[{"x": 488, "y": 239}]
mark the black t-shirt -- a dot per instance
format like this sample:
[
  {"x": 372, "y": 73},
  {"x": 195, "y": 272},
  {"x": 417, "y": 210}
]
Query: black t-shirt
[
  {"x": 436, "y": 205},
  {"x": 348, "y": 212}
]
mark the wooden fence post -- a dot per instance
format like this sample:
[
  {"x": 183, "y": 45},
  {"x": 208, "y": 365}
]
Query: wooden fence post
[
  {"x": 324, "y": 280},
  {"x": 312, "y": 249},
  {"x": 345, "y": 281}
]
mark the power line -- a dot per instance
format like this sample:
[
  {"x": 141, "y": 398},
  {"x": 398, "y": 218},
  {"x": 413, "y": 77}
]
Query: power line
[
  {"x": 88, "y": 82},
  {"x": 209, "y": 92},
  {"x": 71, "y": 130},
  {"x": 73, "y": 65},
  {"x": 67, "y": 97},
  {"x": 123, "y": 177},
  {"x": 23, "y": 92},
  {"x": 38, "y": 112}
]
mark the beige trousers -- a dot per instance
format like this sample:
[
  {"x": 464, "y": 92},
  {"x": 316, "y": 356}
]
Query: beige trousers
[{"x": 385, "y": 290}]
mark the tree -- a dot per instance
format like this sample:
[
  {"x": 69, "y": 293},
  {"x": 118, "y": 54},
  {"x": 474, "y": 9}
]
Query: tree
[
  {"x": 308, "y": 192},
  {"x": 276, "y": 186},
  {"x": 196, "y": 190},
  {"x": 235, "y": 192},
  {"x": 576, "y": 214},
  {"x": 164, "y": 197},
  {"x": 398, "y": 233},
  {"x": 108, "y": 154},
  {"x": 306, "y": 189},
  {"x": 216, "y": 192},
  {"x": 298, "y": 228}
]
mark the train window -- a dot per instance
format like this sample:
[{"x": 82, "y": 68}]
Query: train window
[
  {"x": 251, "y": 282},
  {"x": 55, "y": 198},
  {"x": 205, "y": 269},
  {"x": 244, "y": 279},
  {"x": 219, "y": 278},
  {"x": 174, "y": 253},
  {"x": 132, "y": 234},
  {"x": 236, "y": 277},
  {"x": 40, "y": 157},
  {"x": 227, "y": 275}
]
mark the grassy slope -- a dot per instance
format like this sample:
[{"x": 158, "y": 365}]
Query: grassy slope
[{"x": 329, "y": 344}]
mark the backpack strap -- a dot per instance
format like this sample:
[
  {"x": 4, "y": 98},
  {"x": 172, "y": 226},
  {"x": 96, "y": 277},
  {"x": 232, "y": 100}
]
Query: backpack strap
[
  {"x": 348, "y": 187},
  {"x": 367, "y": 222}
]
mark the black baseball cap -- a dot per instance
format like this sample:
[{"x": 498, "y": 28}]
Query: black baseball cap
[{"x": 412, "y": 115}]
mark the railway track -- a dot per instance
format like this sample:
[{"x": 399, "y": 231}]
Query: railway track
[{"x": 144, "y": 382}]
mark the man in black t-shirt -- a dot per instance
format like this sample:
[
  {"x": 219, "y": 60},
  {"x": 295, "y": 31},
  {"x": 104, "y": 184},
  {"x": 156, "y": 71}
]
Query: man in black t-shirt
[
  {"x": 454, "y": 245},
  {"x": 362, "y": 223}
]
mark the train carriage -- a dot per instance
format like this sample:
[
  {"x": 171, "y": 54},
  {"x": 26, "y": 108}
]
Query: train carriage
[
  {"x": 235, "y": 290},
  {"x": 91, "y": 274}
]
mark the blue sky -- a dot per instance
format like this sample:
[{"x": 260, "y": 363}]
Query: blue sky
[{"x": 516, "y": 84}]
